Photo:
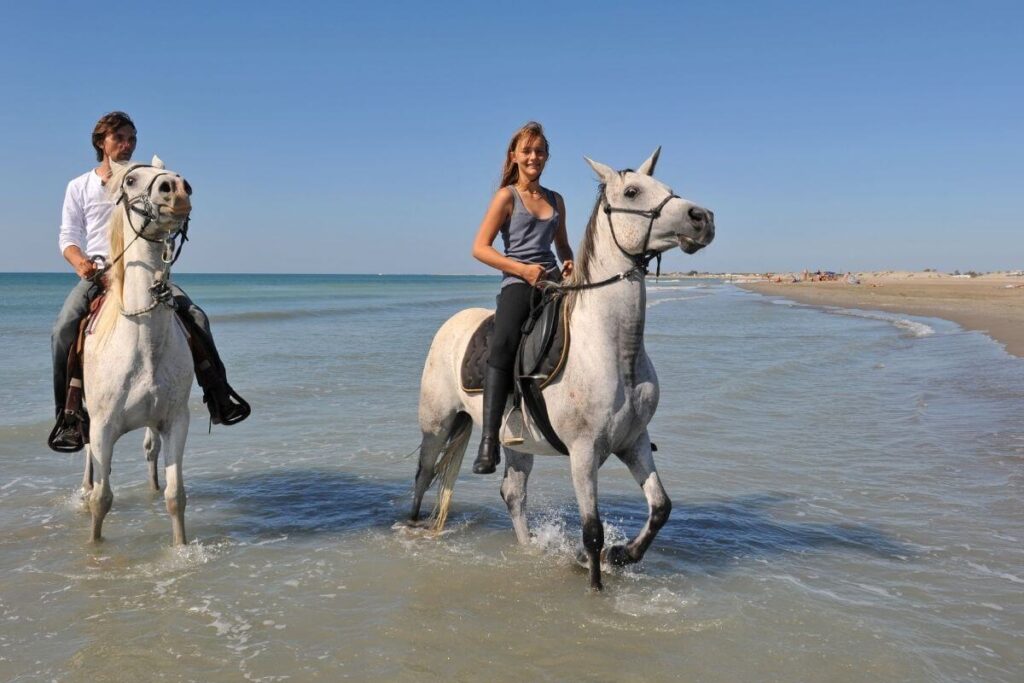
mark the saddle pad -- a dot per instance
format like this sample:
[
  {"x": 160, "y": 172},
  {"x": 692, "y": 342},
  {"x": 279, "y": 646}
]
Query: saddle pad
[{"x": 474, "y": 362}]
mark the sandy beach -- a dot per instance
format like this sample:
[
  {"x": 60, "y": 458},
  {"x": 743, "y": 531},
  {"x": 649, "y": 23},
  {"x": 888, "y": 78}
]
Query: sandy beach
[{"x": 991, "y": 303}]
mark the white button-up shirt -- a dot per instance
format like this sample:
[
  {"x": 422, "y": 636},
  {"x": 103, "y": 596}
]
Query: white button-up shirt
[{"x": 85, "y": 215}]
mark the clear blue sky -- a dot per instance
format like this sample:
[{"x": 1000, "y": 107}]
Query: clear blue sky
[{"x": 367, "y": 137}]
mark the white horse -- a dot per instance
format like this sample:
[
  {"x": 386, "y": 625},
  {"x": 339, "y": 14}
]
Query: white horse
[
  {"x": 137, "y": 363},
  {"x": 607, "y": 392}
]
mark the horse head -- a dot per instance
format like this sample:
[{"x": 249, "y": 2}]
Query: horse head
[
  {"x": 646, "y": 217},
  {"x": 156, "y": 201}
]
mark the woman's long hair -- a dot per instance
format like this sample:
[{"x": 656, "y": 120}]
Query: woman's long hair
[{"x": 530, "y": 130}]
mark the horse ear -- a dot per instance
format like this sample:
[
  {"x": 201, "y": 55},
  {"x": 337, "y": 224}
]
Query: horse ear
[
  {"x": 157, "y": 162},
  {"x": 605, "y": 173},
  {"x": 647, "y": 168}
]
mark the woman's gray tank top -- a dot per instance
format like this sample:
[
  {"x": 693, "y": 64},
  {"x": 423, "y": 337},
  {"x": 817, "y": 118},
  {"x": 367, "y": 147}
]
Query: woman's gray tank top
[{"x": 527, "y": 238}]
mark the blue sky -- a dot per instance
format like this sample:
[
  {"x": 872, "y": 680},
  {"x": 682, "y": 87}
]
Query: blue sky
[{"x": 368, "y": 137}]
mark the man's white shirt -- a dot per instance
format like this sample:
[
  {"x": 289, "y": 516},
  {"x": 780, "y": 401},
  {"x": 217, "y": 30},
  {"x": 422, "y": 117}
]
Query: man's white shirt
[{"x": 85, "y": 215}]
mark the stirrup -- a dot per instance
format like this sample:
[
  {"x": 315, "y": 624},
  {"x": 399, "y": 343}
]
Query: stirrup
[
  {"x": 237, "y": 407},
  {"x": 68, "y": 435},
  {"x": 512, "y": 439}
]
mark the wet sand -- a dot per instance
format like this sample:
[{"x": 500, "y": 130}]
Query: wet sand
[{"x": 993, "y": 304}]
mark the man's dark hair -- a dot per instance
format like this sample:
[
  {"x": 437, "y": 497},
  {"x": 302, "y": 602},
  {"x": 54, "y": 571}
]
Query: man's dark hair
[{"x": 108, "y": 124}]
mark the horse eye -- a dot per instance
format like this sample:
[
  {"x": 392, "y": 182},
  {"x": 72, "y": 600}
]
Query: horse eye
[
  {"x": 631, "y": 192},
  {"x": 129, "y": 181}
]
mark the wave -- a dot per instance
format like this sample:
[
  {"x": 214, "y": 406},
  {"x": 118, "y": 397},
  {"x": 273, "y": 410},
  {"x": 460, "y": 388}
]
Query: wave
[
  {"x": 911, "y": 327},
  {"x": 652, "y": 304},
  {"x": 672, "y": 289}
]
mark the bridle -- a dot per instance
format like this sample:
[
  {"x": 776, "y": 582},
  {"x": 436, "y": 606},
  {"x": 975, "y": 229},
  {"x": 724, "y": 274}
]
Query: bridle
[
  {"x": 641, "y": 260},
  {"x": 142, "y": 205}
]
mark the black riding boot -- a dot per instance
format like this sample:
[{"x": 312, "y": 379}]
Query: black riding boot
[
  {"x": 226, "y": 407},
  {"x": 497, "y": 384}
]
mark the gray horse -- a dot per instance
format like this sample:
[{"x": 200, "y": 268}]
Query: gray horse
[{"x": 607, "y": 392}]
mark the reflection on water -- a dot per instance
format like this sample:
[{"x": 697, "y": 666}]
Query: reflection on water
[{"x": 846, "y": 507}]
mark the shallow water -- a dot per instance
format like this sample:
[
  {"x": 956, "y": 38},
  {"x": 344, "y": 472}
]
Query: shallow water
[{"x": 846, "y": 491}]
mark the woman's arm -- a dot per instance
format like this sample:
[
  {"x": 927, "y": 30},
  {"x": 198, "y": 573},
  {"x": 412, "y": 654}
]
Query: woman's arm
[
  {"x": 497, "y": 213},
  {"x": 562, "y": 247}
]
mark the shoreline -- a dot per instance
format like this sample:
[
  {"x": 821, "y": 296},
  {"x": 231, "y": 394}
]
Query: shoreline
[{"x": 992, "y": 304}]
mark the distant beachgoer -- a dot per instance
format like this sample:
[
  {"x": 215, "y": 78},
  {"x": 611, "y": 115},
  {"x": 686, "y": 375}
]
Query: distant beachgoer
[
  {"x": 530, "y": 218},
  {"x": 83, "y": 238}
]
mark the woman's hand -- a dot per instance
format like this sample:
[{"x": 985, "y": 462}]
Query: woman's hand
[
  {"x": 567, "y": 268},
  {"x": 532, "y": 273}
]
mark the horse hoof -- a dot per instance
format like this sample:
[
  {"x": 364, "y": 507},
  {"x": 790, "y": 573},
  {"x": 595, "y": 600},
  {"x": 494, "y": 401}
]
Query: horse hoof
[
  {"x": 411, "y": 524},
  {"x": 616, "y": 556}
]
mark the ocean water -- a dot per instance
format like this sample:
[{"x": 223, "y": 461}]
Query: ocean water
[{"x": 846, "y": 486}]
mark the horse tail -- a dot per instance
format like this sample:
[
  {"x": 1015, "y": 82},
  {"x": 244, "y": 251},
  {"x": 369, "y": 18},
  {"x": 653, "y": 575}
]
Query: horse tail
[{"x": 447, "y": 467}]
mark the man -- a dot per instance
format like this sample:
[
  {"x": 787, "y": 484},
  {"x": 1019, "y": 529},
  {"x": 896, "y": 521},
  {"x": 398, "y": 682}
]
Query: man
[{"x": 83, "y": 236}]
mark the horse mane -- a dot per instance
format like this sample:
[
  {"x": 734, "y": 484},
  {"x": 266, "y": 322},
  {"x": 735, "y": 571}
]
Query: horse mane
[
  {"x": 108, "y": 315},
  {"x": 581, "y": 271}
]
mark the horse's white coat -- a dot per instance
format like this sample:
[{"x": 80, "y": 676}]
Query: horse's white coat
[
  {"x": 608, "y": 391},
  {"x": 138, "y": 374}
]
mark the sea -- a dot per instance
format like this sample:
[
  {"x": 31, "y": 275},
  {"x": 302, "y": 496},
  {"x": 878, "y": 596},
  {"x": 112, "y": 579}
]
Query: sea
[{"x": 846, "y": 486}]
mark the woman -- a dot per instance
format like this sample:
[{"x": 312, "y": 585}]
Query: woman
[{"x": 529, "y": 218}]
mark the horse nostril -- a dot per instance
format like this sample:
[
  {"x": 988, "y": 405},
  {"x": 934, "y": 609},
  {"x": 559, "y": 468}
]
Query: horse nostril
[
  {"x": 188, "y": 188},
  {"x": 165, "y": 187},
  {"x": 698, "y": 215}
]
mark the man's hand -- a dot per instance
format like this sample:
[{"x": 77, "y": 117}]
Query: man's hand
[
  {"x": 566, "y": 269},
  {"x": 85, "y": 268}
]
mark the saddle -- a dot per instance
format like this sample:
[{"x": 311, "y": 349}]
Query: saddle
[{"x": 543, "y": 348}]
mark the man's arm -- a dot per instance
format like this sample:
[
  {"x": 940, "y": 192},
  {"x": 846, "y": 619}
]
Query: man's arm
[{"x": 72, "y": 233}]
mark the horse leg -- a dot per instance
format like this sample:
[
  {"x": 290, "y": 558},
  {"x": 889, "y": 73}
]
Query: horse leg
[
  {"x": 513, "y": 491},
  {"x": 640, "y": 462},
  {"x": 101, "y": 497},
  {"x": 174, "y": 492},
  {"x": 151, "y": 444},
  {"x": 87, "y": 474},
  {"x": 584, "y": 482}
]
